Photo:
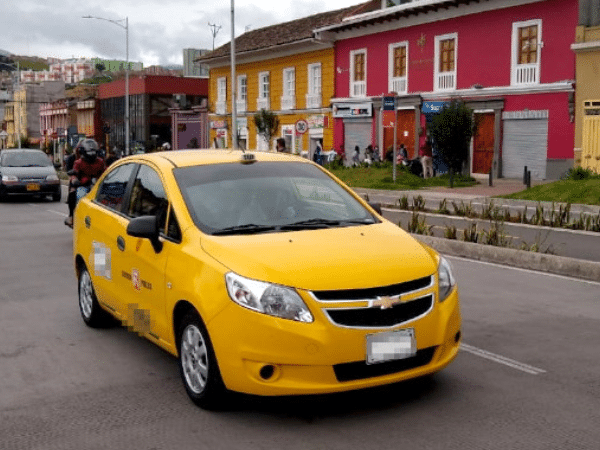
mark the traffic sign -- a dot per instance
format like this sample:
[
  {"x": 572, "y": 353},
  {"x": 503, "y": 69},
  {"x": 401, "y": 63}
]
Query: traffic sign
[{"x": 301, "y": 126}]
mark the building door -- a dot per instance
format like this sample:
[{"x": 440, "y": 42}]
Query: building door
[
  {"x": 525, "y": 143},
  {"x": 357, "y": 132},
  {"x": 590, "y": 142},
  {"x": 483, "y": 143},
  {"x": 405, "y": 132}
]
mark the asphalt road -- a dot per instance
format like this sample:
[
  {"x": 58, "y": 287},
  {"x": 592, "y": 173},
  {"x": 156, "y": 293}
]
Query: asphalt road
[{"x": 526, "y": 378}]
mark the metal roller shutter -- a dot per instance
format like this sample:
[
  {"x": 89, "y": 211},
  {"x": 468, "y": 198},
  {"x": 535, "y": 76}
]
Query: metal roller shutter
[
  {"x": 357, "y": 132},
  {"x": 525, "y": 143}
]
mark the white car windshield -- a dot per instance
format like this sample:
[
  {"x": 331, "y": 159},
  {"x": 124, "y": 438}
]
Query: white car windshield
[{"x": 239, "y": 198}]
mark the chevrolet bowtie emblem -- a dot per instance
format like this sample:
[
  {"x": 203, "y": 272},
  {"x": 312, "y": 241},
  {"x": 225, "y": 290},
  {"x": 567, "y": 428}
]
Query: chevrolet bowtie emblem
[{"x": 386, "y": 302}]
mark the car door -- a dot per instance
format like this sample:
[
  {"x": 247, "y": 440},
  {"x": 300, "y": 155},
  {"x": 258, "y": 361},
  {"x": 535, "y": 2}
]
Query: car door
[
  {"x": 146, "y": 279},
  {"x": 104, "y": 222}
]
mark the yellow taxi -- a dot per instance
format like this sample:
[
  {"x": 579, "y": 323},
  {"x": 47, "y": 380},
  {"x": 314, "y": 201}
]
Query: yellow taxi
[{"x": 263, "y": 274}]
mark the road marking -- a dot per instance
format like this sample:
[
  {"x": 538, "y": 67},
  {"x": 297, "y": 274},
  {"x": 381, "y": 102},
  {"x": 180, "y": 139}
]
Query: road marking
[
  {"x": 519, "y": 269},
  {"x": 57, "y": 212},
  {"x": 502, "y": 360}
]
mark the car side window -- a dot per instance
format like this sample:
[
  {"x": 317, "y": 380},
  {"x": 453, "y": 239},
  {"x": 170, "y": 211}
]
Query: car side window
[
  {"x": 114, "y": 187},
  {"x": 148, "y": 197},
  {"x": 173, "y": 230}
]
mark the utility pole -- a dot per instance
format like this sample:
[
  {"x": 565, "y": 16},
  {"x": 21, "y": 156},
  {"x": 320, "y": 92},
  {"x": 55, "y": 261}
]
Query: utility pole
[
  {"x": 234, "y": 130},
  {"x": 214, "y": 31}
]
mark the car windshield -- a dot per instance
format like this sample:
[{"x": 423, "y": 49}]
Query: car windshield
[
  {"x": 267, "y": 197},
  {"x": 25, "y": 159}
]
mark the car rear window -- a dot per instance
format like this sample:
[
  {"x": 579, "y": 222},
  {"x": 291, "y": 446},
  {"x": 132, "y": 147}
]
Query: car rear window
[{"x": 25, "y": 159}]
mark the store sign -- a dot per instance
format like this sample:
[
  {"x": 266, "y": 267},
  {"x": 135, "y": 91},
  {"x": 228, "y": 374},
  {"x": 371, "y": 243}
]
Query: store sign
[
  {"x": 352, "y": 110},
  {"x": 389, "y": 103},
  {"x": 317, "y": 121},
  {"x": 216, "y": 124},
  {"x": 433, "y": 107}
]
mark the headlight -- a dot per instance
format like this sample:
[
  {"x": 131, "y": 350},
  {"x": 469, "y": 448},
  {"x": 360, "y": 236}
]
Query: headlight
[
  {"x": 266, "y": 298},
  {"x": 52, "y": 177},
  {"x": 446, "y": 280},
  {"x": 9, "y": 178}
]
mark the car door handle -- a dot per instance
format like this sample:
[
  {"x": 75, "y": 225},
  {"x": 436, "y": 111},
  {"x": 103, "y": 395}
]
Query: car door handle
[
  {"x": 88, "y": 222},
  {"x": 121, "y": 243}
]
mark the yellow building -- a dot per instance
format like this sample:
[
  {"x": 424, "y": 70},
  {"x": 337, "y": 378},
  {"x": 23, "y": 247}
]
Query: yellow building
[
  {"x": 587, "y": 96},
  {"x": 283, "y": 69}
]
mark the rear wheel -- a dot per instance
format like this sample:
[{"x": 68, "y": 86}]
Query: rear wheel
[
  {"x": 91, "y": 311},
  {"x": 198, "y": 366},
  {"x": 56, "y": 197}
]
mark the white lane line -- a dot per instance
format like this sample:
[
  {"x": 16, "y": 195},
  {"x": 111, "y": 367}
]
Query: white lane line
[
  {"x": 520, "y": 269},
  {"x": 63, "y": 214},
  {"x": 502, "y": 360}
]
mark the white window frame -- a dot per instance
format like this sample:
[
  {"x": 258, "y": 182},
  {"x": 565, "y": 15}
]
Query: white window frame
[
  {"x": 221, "y": 95},
  {"x": 288, "y": 99},
  {"x": 315, "y": 84},
  {"x": 525, "y": 74},
  {"x": 445, "y": 81},
  {"x": 358, "y": 88},
  {"x": 289, "y": 130},
  {"x": 264, "y": 91},
  {"x": 242, "y": 93},
  {"x": 397, "y": 84}
]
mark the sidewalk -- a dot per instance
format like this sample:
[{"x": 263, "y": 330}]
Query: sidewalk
[{"x": 478, "y": 194}]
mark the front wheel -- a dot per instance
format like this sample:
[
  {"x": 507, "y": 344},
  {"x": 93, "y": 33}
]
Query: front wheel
[
  {"x": 198, "y": 365},
  {"x": 91, "y": 312}
]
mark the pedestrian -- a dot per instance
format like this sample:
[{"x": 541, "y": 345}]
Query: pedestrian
[
  {"x": 402, "y": 154},
  {"x": 356, "y": 157},
  {"x": 376, "y": 155},
  {"x": 427, "y": 159},
  {"x": 318, "y": 154}
]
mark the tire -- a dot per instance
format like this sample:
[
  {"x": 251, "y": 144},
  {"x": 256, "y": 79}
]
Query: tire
[
  {"x": 198, "y": 365},
  {"x": 91, "y": 312},
  {"x": 56, "y": 197}
]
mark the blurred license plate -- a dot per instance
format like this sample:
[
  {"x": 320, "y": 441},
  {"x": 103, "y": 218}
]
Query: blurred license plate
[
  {"x": 33, "y": 187},
  {"x": 391, "y": 345}
]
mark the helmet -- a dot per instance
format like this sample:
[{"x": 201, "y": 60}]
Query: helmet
[{"x": 89, "y": 150}]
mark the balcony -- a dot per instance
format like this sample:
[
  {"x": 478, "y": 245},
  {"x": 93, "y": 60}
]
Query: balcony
[
  {"x": 313, "y": 100},
  {"x": 526, "y": 74},
  {"x": 445, "y": 81},
  {"x": 399, "y": 85},
  {"x": 240, "y": 105},
  {"x": 358, "y": 89},
  {"x": 288, "y": 103},
  {"x": 221, "y": 107},
  {"x": 263, "y": 103}
]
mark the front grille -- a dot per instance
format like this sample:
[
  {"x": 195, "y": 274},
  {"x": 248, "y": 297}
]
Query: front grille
[
  {"x": 377, "y": 317},
  {"x": 32, "y": 179},
  {"x": 373, "y": 293},
  {"x": 361, "y": 370}
]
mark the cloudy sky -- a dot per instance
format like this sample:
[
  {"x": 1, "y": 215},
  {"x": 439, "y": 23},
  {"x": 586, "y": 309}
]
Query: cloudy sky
[{"x": 158, "y": 30}]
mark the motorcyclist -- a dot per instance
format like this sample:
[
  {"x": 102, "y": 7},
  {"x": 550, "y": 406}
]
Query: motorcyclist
[{"x": 85, "y": 172}]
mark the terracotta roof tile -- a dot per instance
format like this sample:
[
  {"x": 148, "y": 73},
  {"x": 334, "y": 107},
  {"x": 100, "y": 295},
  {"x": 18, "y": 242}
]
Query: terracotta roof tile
[{"x": 287, "y": 32}]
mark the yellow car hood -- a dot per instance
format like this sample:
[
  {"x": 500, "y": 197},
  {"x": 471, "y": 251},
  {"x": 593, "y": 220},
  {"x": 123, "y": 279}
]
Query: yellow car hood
[{"x": 322, "y": 259}]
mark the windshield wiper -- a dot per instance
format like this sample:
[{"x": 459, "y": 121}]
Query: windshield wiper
[
  {"x": 310, "y": 223},
  {"x": 247, "y": 228}
]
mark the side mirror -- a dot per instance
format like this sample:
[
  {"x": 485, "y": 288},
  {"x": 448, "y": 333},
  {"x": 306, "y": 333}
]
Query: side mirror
[
  {"x": 376, "y": 207},
  {"x": 146, "y": 227}
]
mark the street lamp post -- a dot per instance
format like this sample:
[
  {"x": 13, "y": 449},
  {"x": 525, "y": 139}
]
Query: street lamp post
[{"x": 119, "y": 22}]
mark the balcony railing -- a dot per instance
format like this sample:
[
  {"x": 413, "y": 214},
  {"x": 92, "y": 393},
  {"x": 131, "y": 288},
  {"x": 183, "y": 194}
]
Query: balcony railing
[
  {"x": 240, "y": 105},
  {"x": 263, "y": 103},
  {"x": 313, "y": 100},
  {"x": 446, "y": 81},
  {"x": 221, "y": 108},
  {"x": 527, "y": 74},
  {"x": 399, "y": 85},
  {"x": 288, "y": 103},
  {"x": 359, "y": 89}
]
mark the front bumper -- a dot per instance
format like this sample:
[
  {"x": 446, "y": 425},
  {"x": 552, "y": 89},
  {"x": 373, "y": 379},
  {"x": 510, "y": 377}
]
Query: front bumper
[
  {"x": 262, "y": 355},
  {"x": 30, "y": 188}
]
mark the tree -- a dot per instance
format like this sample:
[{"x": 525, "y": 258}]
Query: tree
[
  {"x": 267, "y": 124},
  {"x": 451, "y": 131}
]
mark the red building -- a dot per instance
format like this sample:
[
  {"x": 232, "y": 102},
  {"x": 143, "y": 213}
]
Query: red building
[
  {"x": 510, "y": 61},
  {"x": 150, "y": 98}
]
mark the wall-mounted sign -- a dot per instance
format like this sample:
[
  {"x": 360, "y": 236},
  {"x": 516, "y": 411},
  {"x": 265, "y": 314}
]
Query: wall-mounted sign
[
  {"x": 389, "y": 103},
  {"x": 216, "y": 124},
  {"x": 352, "y": 109},
  {"x": 318, "y": 121},
  {"x": 432, "y": 107}
]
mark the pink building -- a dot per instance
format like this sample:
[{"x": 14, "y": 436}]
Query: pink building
[{"x": 510, "y": 61}]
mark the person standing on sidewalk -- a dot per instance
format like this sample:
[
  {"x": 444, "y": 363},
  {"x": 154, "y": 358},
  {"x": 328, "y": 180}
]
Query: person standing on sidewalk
[{"x": 427, "y": 159}]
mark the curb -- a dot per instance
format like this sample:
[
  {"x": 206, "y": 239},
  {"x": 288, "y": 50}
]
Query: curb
[{"x": 541, "y": 262}]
